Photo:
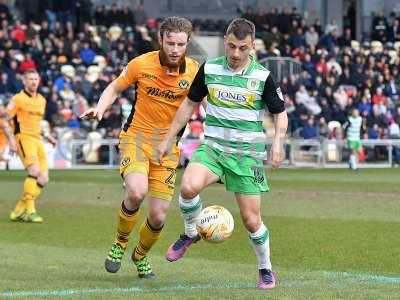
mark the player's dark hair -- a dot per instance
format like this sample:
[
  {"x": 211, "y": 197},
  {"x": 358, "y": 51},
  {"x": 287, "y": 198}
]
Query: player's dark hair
[
  {"x": 241, "y": 28},
  {"x": 176, "y": 24}
]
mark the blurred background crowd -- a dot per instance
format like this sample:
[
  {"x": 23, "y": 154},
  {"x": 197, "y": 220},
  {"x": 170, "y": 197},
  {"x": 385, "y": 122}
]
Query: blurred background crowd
[{"x": 79, "y": 47}]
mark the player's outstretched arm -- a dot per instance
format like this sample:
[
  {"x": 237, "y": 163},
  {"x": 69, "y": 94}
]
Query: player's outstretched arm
[
  {"x": 182, "y": 116},
  {"x": 277, "y": 151},
  {"x": 107, "y": 98}
]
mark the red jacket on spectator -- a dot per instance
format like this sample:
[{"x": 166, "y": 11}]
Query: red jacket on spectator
[
  {"x": 18, "y": 33},
  {"x": 322, "y": 66},
  {"x": 27, "y": 64},
  {"x": 379, "y": 98}
]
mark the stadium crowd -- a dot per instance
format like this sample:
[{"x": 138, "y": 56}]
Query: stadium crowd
[{"x": 79, "y": 50}]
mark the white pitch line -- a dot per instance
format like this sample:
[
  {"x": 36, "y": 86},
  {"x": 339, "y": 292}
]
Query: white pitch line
[
  {"x": 359, "y": 277},
  {"x": 139, "y": 290}
]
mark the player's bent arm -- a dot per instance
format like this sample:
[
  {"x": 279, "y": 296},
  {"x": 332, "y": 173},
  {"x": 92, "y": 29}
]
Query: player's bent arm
[
  {"x": 182, "y": 116},
  {"x": 281, "y": 124},
  {"x": 108, "y": 96},
  {"x": 277, "y": 153}
]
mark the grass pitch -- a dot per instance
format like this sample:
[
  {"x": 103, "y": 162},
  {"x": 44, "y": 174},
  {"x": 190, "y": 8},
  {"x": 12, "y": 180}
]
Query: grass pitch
[{"x": 335, "y": 234}]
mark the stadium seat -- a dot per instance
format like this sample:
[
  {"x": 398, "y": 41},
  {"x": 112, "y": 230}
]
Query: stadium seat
[{"x": 376, "y": 47}]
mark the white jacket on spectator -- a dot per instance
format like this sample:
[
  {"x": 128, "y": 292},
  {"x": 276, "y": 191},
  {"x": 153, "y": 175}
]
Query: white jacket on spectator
[{"x": 303, "y": 97}]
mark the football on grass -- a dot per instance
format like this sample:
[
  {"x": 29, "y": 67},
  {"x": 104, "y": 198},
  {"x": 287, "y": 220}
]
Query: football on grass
[{"x": 215, "y": 224}]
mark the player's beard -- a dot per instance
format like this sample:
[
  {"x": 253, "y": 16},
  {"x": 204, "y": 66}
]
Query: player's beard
[
  {"x": 164, "y": 59},
  {"x": 32, "y": 90}
]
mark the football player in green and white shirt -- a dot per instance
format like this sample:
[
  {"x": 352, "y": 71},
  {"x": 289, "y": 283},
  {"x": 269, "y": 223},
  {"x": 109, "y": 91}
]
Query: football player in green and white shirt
[
  {"x": 238, "y": 91},
  {"x": 353, "y": 137}
]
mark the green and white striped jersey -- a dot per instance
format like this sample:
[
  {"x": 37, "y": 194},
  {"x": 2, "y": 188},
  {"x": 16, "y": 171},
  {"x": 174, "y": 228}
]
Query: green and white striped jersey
[
  {"x": 236, "y": 105},
  {"x": 354, "y": 128}
]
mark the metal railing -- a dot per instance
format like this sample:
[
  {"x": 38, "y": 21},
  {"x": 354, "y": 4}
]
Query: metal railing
[
  {"x": 298, "y": 153},
  {"x": 281, "y": 66}
]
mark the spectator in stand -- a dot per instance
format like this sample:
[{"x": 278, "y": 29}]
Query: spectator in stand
[
  {"x": 329, "y": 40},
  {"x": 341, "y": 97},
  {"x": 273, "y": 36},
  {"x": 4, "y": 11},
  {"x": 365, "y": 105},
  {"x": 27, "y": 64},
  {"x": 284, "y": 20},
  {"x": 297, "y": 39},
  {"x": 303, "y": 97},
  {"x": 392, "y": 89},
  {"x": 310, "y": 129},
  {"x": 126, "y": 17},
  {"x": 87, "y": 54},
  {"x": 332, "y": 26},
  {"x": 374, "y": 132},
  {"x": 6, "y": 87},
  {"x": 140, "y": 15},
  {"x": 380, "y": 100},
  {"x": 323, "y": 129},
  {"x": 311, "y": 36},
  {"x": 346, "y": 38}
]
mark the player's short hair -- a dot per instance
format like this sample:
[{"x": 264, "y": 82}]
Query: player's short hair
[
  {"x": 241, "y": 28},
  {"x": 176, "y": 24},
  {"x": 30, "y": 71}
]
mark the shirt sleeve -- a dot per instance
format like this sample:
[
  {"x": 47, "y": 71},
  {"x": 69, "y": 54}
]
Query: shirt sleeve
[
  {"x": 129, "y": 75},
  {"x": 198, "y": 89},
  {"x": 12, "y": 107},
  {"x": 272, "y": 96}
]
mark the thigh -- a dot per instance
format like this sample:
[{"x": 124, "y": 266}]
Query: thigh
[
  {"x": 209, "y": 158},
  {"x": 199, "y": 175},
  {"x": 133, "y": 158},
  {"x": 246, "y": 176},
  {"x": 162, "y": 177},
  {"x": 42, "y": 157},
  {"x": 136, "y": 183},
  {"x": 27, "y": 150}
]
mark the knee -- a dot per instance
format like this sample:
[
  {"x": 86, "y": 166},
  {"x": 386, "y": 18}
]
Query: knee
[
  {"x": 157, "y": 218},
  {"x": 34, "y": 171},
  {"x": 43, "y": 179},
  {"x": 252, "y": 222},
  {"x": 135, "y": 195},
  {"x": 189, "y": 189}
]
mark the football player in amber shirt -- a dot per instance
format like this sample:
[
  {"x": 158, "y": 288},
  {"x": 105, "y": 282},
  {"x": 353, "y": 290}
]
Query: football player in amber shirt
[
  {"x": 6, "y": 136},
  {"x": 162, "y": 80},
  {"x": 27, "y": 110}
]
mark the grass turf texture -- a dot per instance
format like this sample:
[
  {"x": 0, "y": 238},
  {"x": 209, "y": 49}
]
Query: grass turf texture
[{"x": 335, "y": 234}]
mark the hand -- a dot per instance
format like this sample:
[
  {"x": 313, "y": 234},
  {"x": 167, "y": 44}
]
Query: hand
[
  {"x": 92, "y": 113},
  {"x": 163, "y": 149},
  {"x": 276, "y": 153}
]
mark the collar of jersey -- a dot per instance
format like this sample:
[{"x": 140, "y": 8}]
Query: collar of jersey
[
  {"x": 27, "y": 93},
  {"x": 247, "y": 70}
]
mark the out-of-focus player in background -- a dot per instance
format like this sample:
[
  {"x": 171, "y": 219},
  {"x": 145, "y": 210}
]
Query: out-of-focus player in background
[
  {"x": 27, "y": 109},
  {"x": 162, "y": 80},
  {"x": 353, "y": 134},
  {"x": 7, "y": 141}
]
